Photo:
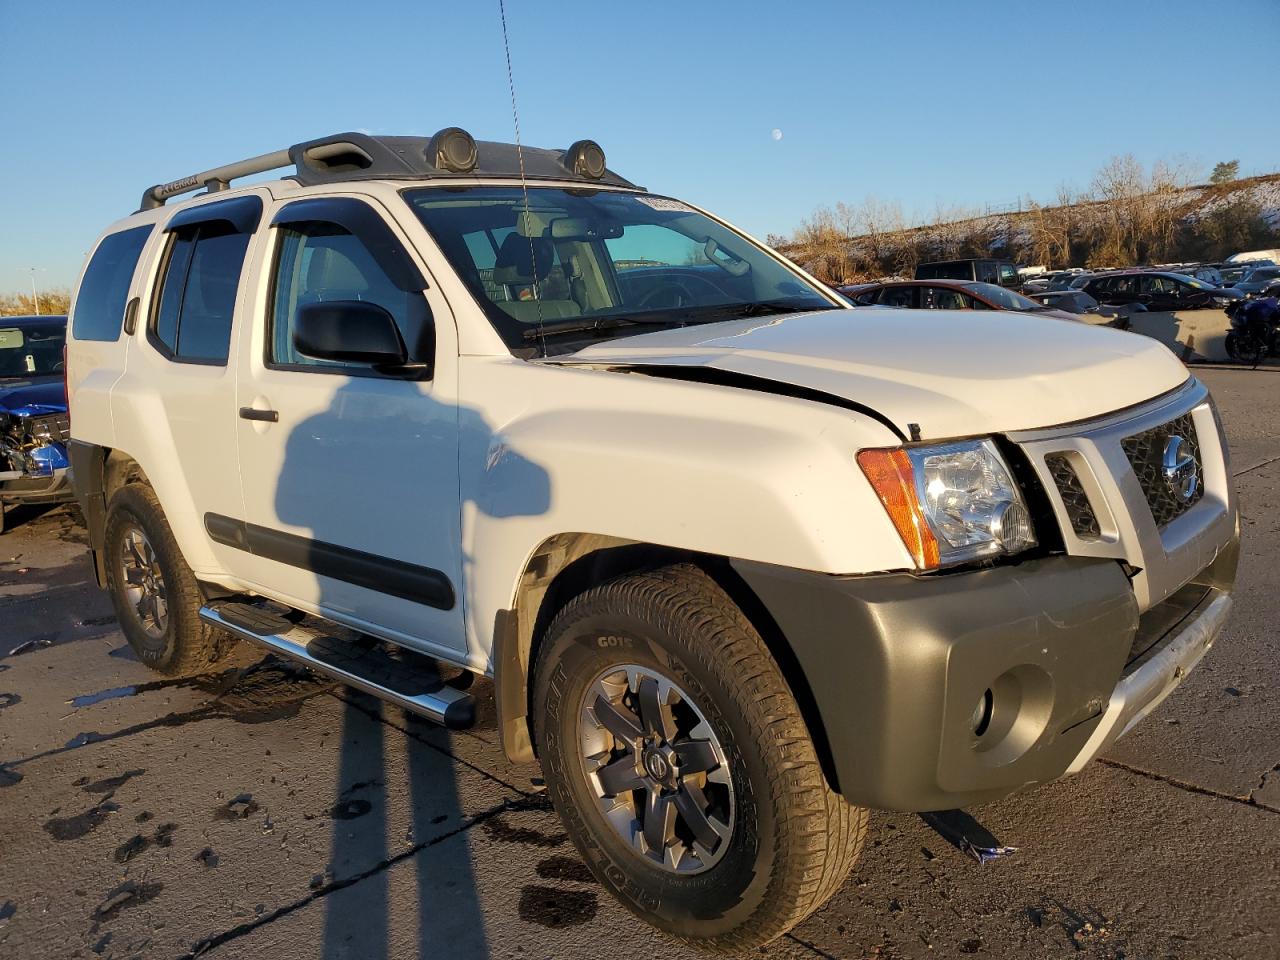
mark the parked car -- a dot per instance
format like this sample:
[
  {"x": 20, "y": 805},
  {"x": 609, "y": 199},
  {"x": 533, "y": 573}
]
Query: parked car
[
  {"x": 33, "y": 412},
  {"x": 1070, "y": 301},
  {"x": 741, "y": 561},
  {"x": 1271, "y": 257},
  {"x": 1158, "y": 291},
  {"x": 951, "y": 295},
  {"x": 1003, "y": 273},
  {"x": 1256, "y": 280}
]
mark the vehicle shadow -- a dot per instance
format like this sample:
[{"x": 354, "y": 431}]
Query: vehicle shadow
[{"x": 395, "y": 426}]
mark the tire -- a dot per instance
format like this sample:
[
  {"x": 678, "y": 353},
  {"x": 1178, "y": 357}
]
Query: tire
[
  {"x": 1244, "y": 348},
  {"x": 784, "y": 840},
  {"x": 175, "y": 642}
]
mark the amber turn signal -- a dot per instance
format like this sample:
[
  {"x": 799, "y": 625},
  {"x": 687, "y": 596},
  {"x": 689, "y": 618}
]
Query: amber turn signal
[{"x": 890, "y": 474}]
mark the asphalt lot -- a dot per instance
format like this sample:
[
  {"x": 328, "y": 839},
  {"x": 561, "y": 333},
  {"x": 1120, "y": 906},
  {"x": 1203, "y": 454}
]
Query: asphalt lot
[{"x": 260, "y": 812}]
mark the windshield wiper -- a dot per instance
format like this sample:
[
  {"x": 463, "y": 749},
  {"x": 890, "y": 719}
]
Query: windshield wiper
[
  {"x": 698, "y": 315},
  {"x": 589, "y": 326}
]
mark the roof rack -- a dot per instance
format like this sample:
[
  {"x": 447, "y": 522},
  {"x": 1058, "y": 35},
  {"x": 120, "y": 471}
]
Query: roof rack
[{"x": 450, "y": 154}]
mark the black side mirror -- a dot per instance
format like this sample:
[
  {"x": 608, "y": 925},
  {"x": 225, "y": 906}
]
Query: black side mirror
[{"x": 350, "y": 331}]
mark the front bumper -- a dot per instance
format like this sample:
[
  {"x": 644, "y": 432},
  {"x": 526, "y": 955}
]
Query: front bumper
[
  {"x": 889, "y": 670},
  {"x": 17, "y": 486}
]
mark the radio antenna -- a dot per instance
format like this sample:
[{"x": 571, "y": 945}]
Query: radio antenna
[{"x": 524, "y": 184}]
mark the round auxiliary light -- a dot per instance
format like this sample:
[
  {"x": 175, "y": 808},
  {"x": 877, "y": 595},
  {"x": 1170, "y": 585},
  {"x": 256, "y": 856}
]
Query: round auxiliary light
[
  {"x": 1011, "y": 526},
  {"x": 452, "y": 149},
  {"x": 980, "y": 722},
  {"x": 586, "y": 159}
]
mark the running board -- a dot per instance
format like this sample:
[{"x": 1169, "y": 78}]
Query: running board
[{"x": 374, "y": 671}]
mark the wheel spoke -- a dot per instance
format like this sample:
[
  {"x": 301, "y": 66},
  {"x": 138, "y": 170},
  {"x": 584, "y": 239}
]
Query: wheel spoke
[
  {"x": 616, "y": 719},
  {"x": 655, "y": 714},
  {"x": 138, "y": 558},
  {"x": 619, "y": 777},
  {"x": 696, "y": 756},
  {"x": 692, "y": 804},
  {"x": 659, "y": 822}
]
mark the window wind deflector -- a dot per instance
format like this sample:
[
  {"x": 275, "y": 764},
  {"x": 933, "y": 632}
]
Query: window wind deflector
[
  {"x": 242, "y": 213},
  {"x": 363, "y": 222}
]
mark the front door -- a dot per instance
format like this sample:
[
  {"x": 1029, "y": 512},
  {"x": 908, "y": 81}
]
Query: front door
[{"x": 350, "y": 473}]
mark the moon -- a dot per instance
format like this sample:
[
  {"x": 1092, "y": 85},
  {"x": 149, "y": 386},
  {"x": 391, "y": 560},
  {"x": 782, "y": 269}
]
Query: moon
[{"x": 776, "y": 134}]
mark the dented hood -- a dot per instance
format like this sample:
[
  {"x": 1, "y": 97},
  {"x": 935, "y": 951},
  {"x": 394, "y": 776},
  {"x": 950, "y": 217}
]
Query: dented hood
[{"x": 953, "y": 374}]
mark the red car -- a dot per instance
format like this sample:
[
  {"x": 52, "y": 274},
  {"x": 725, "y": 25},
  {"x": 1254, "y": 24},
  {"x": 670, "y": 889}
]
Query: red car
[{"x": 948, "y": 295}]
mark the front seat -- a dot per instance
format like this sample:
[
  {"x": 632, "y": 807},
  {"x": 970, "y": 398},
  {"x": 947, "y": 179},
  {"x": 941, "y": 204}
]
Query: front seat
[{"x": 522, "y": 265}]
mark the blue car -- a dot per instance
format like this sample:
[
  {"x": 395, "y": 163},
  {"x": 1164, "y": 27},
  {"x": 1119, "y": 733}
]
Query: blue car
[{"x": 34, "y": 426}]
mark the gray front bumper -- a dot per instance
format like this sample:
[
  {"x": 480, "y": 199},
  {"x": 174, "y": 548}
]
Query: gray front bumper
[{"x": 889, "y": 670}]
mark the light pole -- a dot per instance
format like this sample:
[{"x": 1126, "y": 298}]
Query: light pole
[{"x": 35, "y": 295}]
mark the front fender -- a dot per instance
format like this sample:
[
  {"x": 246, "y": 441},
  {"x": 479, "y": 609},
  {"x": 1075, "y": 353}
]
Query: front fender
[{"x": 688, "y": 466}]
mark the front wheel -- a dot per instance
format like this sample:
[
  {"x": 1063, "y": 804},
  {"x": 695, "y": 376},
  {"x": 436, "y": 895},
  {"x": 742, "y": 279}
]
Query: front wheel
[
  {"x": 1244, "y": 348},
  {"x": 678, "y": 760}
]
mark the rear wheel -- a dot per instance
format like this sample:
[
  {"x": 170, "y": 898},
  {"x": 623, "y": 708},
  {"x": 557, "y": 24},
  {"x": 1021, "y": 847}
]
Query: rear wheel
[
  {"x": 679, "y": 762},
  {"x": 155, "y": 594}
]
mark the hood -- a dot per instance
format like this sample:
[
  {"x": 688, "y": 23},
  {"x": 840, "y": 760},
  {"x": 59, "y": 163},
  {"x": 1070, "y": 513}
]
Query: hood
[
  {"x": 34, "y": 397},
  {"x": 953, "y": 375}
]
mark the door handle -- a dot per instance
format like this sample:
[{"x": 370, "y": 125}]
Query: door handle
[{"x": 266, "y": 416}]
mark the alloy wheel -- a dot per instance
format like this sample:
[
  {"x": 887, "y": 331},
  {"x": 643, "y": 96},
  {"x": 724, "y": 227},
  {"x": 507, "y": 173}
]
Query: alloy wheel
[
  {"x": 657, "y": 768},
  {"x": 144, "y": 584}
]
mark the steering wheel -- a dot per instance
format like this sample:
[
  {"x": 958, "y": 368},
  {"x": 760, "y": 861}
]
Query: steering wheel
[{"x": 677, "y": 291}]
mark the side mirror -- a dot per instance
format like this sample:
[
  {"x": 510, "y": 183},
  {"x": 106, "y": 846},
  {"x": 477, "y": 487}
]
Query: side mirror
[{"x": 349, "y": 331}]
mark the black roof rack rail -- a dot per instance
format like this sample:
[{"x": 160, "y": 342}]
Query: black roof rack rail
[{"x": 450, "y": 154}]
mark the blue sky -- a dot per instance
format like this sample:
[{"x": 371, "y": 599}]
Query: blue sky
[{"x": 927, "y": 103}]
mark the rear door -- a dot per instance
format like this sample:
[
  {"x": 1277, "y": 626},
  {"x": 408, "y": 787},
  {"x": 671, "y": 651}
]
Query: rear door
[
  {"x": 175, "y": 405},
  {"x": 350, "y": 473}
]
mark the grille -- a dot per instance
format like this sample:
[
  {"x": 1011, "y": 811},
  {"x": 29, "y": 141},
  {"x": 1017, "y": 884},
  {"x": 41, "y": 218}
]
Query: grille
[
  {"x": 56, "y": 425},
  {"x": 1079, "y": 510},
  {"x": 1146, "y": 455}
]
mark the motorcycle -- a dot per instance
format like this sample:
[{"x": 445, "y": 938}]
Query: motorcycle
[{"x": 1255, "y": 330}]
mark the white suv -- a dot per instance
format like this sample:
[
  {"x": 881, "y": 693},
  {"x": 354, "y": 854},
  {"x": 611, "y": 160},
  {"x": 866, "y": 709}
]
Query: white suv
[{"x": 741, "y": 561}]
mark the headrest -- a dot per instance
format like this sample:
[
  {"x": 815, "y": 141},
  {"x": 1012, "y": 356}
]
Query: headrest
[
  {"x": 523, "y": 259},
  {"x": 332, "y": 269}
]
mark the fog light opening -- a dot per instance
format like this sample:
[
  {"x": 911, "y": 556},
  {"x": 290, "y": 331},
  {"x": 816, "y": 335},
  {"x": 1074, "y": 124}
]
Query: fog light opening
[{"x": 981, "y": 719}]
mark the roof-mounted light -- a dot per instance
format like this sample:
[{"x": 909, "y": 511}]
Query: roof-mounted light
[
  {"x": 452, "y": 149},
  {"x": 586, "y": 159}
]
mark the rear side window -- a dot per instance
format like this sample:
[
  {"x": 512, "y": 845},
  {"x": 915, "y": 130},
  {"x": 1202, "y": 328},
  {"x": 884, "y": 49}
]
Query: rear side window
[
  {"x": 100, "y": 302},
  {"x": 198, "y": 293}
]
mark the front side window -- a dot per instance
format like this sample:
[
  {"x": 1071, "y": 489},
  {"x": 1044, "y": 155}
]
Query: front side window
[
  {"x": 197, "y": 296},
  {"x": 583, "y": 263},
  {"x": 99, "y": 310},
  {"x": 322, "y": 262},
  {"x": 898, "y": 297}
]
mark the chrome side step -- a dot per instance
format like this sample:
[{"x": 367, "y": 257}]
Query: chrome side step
[{"x": 374, "y": 671}]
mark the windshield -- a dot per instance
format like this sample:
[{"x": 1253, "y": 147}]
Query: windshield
[
  {"x": 1002, "y": 298},
  {"x": 31, "y": 350},
  {"x": 584, "y": 263}
]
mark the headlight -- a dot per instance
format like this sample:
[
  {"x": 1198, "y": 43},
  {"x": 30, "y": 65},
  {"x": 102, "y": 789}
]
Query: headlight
[
  {"x": 1221, "y": 301},
  {"x": 952, "y": 502}
]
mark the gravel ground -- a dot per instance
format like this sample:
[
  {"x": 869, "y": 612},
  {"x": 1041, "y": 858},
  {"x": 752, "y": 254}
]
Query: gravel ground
[{"x": 261, "y": 812}]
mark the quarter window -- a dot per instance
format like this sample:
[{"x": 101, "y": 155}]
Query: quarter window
[
  {"x": 323, "y": 262},
  {"x": 99, "y": 310},
  {"x": 198, "y": 294}
]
